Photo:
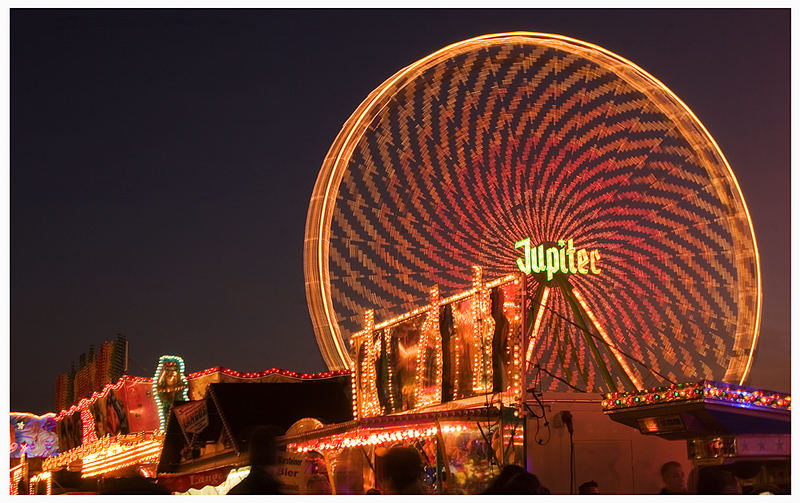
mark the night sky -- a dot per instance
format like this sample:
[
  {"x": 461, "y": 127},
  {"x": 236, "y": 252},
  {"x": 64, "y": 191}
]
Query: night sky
[{"x": 162, "y": 163}]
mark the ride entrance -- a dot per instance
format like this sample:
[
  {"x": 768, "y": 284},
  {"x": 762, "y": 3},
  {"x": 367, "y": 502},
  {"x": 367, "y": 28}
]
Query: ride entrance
[{"x": 562, "y": 166}]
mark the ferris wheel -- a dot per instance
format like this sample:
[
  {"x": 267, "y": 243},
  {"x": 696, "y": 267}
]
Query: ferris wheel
[{"x": 554, "y": 158}]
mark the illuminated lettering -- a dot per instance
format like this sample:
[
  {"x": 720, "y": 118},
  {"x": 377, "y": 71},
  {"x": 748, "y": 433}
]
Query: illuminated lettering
[
  {"x": 537, "y": 259},
  {"x": 563, "y": 258},
  {"x": 583, "y": 261},
  {"x": 552, "y": 262},
  {"x": 524, "y": 263},
  {"x": 571, "y": 255},
  {"x": 594, "y": 257}
]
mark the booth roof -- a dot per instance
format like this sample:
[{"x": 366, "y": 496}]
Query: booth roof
[{"x": 238, "y": 408}]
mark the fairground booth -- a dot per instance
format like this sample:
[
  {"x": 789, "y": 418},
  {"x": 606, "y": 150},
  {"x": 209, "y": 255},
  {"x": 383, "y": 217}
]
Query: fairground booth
[
  {"x": 181, "y": 431},
  {"x": 444, "y": 378}
]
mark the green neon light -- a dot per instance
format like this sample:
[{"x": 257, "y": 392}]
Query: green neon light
[
  {"x": 178, "y": 390},
  {"x": 561, "y": 259}
]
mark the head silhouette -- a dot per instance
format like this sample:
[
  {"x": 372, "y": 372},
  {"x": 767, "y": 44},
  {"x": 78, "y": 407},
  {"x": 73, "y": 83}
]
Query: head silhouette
[
  {"x": 261, "y": 447},
  {"x": 403, "y": 471},
  {"x": 715, "y": 480},
  {"x": 514, "y": 480},
  {"x": 673, "y": 477},
  {"x": 589, "y": 487}
]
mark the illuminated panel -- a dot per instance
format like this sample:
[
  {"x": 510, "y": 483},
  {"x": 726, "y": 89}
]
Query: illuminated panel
[
  {"x": 87, "y": 420},
  {"x": 36, "y": 435},
  {"x": 513, "y": 306},
  {"x": 15, "y": 475},
  {"x": 117, "y": 456},
  {"x": 562, "y": 259},
  {"x": 427, "y": 387},
  {"x": 110, "y": 453},
  {"x": 537, "y": 323},
  {"x": 620, "y": 358},
  {"x": 47, "y": 477},
  {"x": 475, "y": 330}
]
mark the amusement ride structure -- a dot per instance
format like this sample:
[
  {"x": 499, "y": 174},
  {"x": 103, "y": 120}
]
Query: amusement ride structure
[{"x": 559, "y": 162}]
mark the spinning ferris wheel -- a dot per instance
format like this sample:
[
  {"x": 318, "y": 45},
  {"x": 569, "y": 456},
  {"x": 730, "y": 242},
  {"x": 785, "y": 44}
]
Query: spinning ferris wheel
[{"x": 557, "y": 159}]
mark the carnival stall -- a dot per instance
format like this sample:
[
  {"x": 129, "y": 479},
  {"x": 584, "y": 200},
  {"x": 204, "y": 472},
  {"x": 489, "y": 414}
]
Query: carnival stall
[
  {"x": 120, "y": 431},
  {"x": 206, "y": 439},
  {"x": 747, "y": 430},
  {"x": 444, "y": 378},
  {"x": 33, "y": 438}
]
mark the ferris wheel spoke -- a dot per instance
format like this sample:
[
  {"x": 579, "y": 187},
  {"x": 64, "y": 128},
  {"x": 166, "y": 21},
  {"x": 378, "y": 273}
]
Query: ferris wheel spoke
[
  {"x": 671, "y": 204},
  {"x": 642, "y": 290},
  {"x": 405, "y": 200},
  {"x": 711, "y": 230},
  {"x": 569, "y": 149},
  {"x": 609, "y": 149},
  {"x": 529, "y": 122},
  {"x": 658, "y": 284},
  {"x": 618, "y": 189},
  {"x": 645, "y": 331},
  {"x": 625, "y": 304},
  {"x": 520, "y": 127},
  {"x": 617, "y": 194},
  {"x": 600, "y": 139}
]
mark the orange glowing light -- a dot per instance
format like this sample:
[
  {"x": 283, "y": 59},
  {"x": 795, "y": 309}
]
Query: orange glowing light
[
  {"x": 608, "y": 340},
  {"x": 536, "y": 324}
]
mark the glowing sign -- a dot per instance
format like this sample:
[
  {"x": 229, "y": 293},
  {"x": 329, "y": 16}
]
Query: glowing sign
[{"x": 563, "y": 258}]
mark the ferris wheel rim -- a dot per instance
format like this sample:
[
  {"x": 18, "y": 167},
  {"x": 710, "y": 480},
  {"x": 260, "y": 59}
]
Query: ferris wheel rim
[{"x": 317, "y": 234}]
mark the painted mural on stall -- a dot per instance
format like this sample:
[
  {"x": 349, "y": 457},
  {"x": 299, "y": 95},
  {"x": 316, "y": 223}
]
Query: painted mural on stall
[{"x": 34, "y": 435}]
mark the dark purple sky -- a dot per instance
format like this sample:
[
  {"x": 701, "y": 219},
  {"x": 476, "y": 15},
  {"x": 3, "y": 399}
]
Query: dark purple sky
[{"x": 162, "y": 163}]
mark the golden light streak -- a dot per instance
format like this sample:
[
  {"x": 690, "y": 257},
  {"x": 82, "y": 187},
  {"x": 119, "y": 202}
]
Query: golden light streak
[
  {"x": 119, "y": 456},
  {"x": 110, "y": 453},
  {"x": 536, "y": 323},
  {"x": 608, "y": 340}
]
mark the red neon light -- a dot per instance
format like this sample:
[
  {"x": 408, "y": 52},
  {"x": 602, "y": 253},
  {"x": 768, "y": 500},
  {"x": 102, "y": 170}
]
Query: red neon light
[
  {"x": 288, "y": 373},
  {"x": 84, "y": 403}
]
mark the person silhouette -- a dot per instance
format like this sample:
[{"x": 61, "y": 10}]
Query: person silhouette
[
  {"x": 673, "y": 477},
  {"x": 403, "y": 471},
  {"x": 263, "y": 455},
  {"x": 514, "y": 479}
]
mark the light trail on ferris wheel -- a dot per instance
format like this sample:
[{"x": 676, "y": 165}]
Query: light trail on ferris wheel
[{"x": 540, "y": 154}]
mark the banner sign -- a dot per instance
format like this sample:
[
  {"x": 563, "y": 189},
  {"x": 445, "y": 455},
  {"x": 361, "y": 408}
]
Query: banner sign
[
  {"x": 182, "y": 483},
  {"x": 192, "y": 416},
  {"x": 302, "y": 473}
]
